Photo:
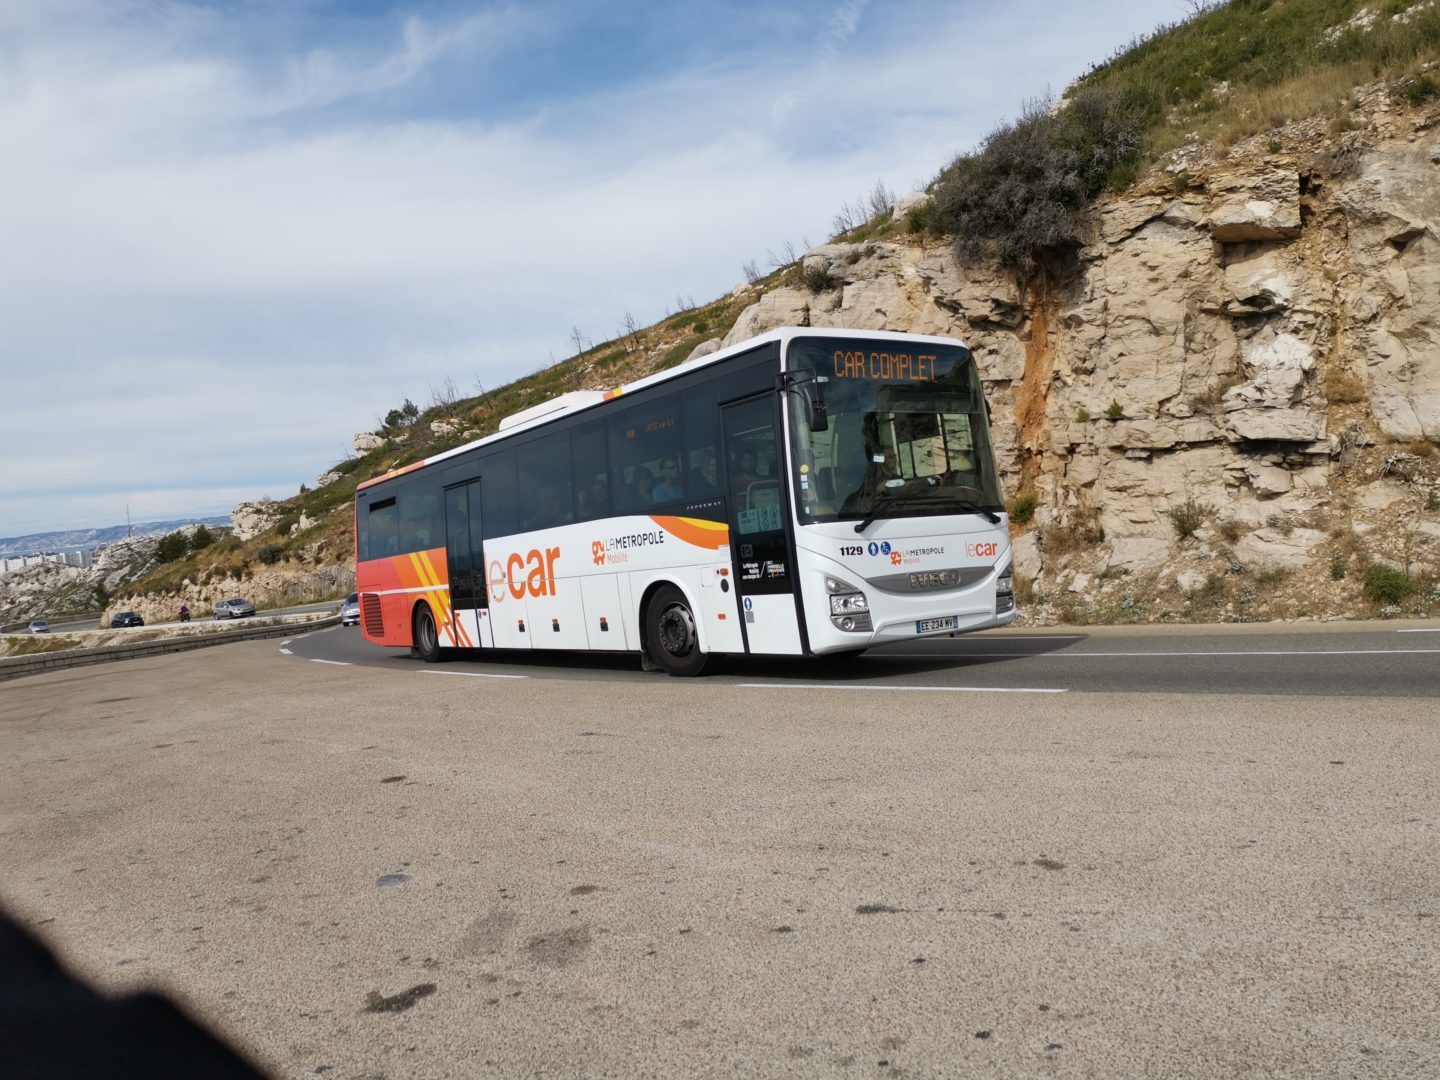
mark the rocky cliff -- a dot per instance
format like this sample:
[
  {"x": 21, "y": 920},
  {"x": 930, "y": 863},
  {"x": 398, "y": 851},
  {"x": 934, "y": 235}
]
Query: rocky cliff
[{"x": 1228, "y": 406}]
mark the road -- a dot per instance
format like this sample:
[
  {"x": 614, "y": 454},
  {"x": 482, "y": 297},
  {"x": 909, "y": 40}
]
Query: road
[
  {"x": 78, "y": 626},
  {"x": 367, "y": 868},
  {"x": 1382, "y": 659}
]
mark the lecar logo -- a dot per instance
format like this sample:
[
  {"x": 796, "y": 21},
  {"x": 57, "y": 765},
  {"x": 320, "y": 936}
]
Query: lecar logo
[{"x": 511, "y": 577}]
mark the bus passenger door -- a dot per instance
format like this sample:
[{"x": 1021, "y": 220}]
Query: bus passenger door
[
  {"x": 761, "y": 552},
  {"x": 469, "y": 602}
]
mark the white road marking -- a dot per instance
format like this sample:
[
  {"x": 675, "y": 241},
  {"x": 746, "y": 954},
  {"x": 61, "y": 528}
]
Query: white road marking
[
  {"x": 1157, "y": 655},
  {"x": 887, "y": 686},
  {"x": 286, "y": 651},
  {"x": 1426, "y": 630},
  {"x": 475, "y": 674},
  {"x": 337, "y": 663}
]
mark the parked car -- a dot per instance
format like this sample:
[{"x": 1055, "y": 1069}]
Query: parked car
[
  {"x": 126, "y": 618},
  {"x": 350, "y": 610},
  {"x": 40, "y": 626},
  {"x": 233, "y": 609}
]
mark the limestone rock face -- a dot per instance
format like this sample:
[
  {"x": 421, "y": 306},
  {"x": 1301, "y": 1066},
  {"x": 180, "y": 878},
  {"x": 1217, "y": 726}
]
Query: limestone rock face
[
  {"x": 251, "y": 519},
  {"x": 325, "y": 479},
  {"x": 1190, "y": 355},
  {"x": 366, "y": 441},
  {"x": 1258, "y": 206},
  {"x": 1392, "y": 209},
  {"x": 1271, "y": 547},
  {"x": 705, "y": 348}
]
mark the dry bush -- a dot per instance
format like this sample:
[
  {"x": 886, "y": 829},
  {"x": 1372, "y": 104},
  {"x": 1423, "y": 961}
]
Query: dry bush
[
  {"x": 1210, "y": 397},
  {"x": 1421, "y": 448},
  {"x": 1082, "y": 529},
  {"x": 1344, "y": 388},
  {"x": 1189, "y": 517},
  {"x": 1231, "y": 529}
]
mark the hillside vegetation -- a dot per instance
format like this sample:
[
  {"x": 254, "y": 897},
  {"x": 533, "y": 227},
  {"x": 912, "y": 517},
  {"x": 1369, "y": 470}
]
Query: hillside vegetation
[{"x": 1231, "y": 71}]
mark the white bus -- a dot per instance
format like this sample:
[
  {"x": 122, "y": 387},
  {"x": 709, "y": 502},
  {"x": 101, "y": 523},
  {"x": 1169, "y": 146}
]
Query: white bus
[{"x": 807, "y": 492}]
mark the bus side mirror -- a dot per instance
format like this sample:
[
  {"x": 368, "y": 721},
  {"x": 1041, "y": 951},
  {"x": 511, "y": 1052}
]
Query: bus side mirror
[
  {"x": 809, "y": 388},
  {"x": 819, "y": 415}
]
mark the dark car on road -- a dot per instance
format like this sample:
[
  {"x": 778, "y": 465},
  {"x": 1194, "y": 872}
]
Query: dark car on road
[
  {"x": 126, "y": 618},
  {"x": 350, "y": 610},
  {"x": 233, "y": 609}
]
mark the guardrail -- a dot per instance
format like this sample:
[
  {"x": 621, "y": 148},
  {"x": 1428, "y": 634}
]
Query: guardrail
[{"x": 14, "y": 667}]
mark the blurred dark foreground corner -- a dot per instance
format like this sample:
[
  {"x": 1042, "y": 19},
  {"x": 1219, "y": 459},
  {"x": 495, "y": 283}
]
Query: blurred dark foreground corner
[{"x": 54, "y": 1027}]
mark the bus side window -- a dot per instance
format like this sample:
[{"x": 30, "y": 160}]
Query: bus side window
[
  {"x": 642, "y": 440},
  {"x": 421, "y": 522},
  {"x": 362, "y": 531},
  {"x": 702, "y": 440},
  {"x": 546, "y": 486},
  {"x": 592, "y": 478},
  {"x": 497, "y": 493},
  {"x": 384, "y": 529}
]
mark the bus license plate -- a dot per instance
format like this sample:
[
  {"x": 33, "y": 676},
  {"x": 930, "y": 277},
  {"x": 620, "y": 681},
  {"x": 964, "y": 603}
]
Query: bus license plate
[{"x": 930, "y": 626}]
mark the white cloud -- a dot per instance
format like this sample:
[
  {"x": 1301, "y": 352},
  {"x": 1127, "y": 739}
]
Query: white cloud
[{"x": 187, "y": 241}]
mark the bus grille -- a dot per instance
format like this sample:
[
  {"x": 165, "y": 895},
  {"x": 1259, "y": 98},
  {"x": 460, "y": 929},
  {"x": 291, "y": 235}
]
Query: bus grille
[{"x": 370, "y": 610}]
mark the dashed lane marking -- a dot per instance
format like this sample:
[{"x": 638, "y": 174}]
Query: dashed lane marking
[
  {"x": 923, "y": 689},
  {"x": 337, "y": 663},
  {"x": 1158, "y": 655},
  {"x": 475, "y": 674}
]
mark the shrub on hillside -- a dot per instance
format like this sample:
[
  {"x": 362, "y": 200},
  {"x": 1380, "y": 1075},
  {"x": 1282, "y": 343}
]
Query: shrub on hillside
[
  {"x": 201, "y": 538},
  {"x": 269, "y": 554},
  {"x": 1386, "y": 585},
  {"x": 171, "y": 546},
  {"x": 818, "y": 279},
  {"x": 1188, "y": 518},
  {"x": 404, "y": 416},
  {"x": 1021, "y": 198},
  {"x": 1022, "y": 507}
]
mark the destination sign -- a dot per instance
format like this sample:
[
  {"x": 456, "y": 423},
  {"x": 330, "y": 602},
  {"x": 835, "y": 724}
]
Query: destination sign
[{"x": 884, "y": 366}]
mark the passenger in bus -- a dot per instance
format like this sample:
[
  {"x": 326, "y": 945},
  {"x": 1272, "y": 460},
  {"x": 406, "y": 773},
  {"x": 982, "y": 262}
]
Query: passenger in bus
[
  {"x": 644, "y": 486},
  {"x": 745, "y": 473},
  {"x": 702, "y": 479},
  {"x": 878, "y": 476},
  {"x": 667, "y": 488},
  {"x": 596, "y": 501}
]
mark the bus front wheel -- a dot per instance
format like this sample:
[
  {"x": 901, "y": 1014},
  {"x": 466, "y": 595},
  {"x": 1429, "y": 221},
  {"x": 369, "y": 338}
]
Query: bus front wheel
[
  {"x": 670, "y": 636},
  {"x": 427, "y": 641}
]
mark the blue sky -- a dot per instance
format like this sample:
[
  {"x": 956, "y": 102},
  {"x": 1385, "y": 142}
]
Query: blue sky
[{"x": 237, "y": 233}]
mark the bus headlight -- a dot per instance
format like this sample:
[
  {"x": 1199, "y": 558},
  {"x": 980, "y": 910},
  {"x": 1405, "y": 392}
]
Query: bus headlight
[
  {"x": 1005, "y": 591},
  {"x": 849, "y": 607}
]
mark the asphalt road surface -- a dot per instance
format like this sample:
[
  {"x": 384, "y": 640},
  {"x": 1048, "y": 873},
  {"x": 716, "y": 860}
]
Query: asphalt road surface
[
  {"x": 76, "y": 626},
  {"x": 367, "y": 867},
  {"x": 1322, "y": 660}
]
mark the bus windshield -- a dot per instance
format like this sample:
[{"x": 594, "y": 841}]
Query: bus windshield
[{"x": 907, "y": 431}]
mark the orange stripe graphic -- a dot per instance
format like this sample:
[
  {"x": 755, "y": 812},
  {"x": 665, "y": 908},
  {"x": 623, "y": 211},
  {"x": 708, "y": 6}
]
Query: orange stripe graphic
[{"x": 706, "y": 534}]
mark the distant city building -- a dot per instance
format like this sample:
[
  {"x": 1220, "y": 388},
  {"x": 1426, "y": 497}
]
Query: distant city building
[{"x": 81, "y": 559}]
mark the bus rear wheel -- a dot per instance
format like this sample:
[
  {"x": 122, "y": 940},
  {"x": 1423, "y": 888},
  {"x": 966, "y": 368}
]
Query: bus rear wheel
[
  {"x": 427, "y": 641},
  {"x": 671, "y": 639}
]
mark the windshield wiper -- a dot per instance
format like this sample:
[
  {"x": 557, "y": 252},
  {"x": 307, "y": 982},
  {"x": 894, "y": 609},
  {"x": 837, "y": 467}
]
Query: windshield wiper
[
  {"x": 975, "y": 508},
  {"x": 884, "y": 499},
  {"x": 874, "y": 512}
]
